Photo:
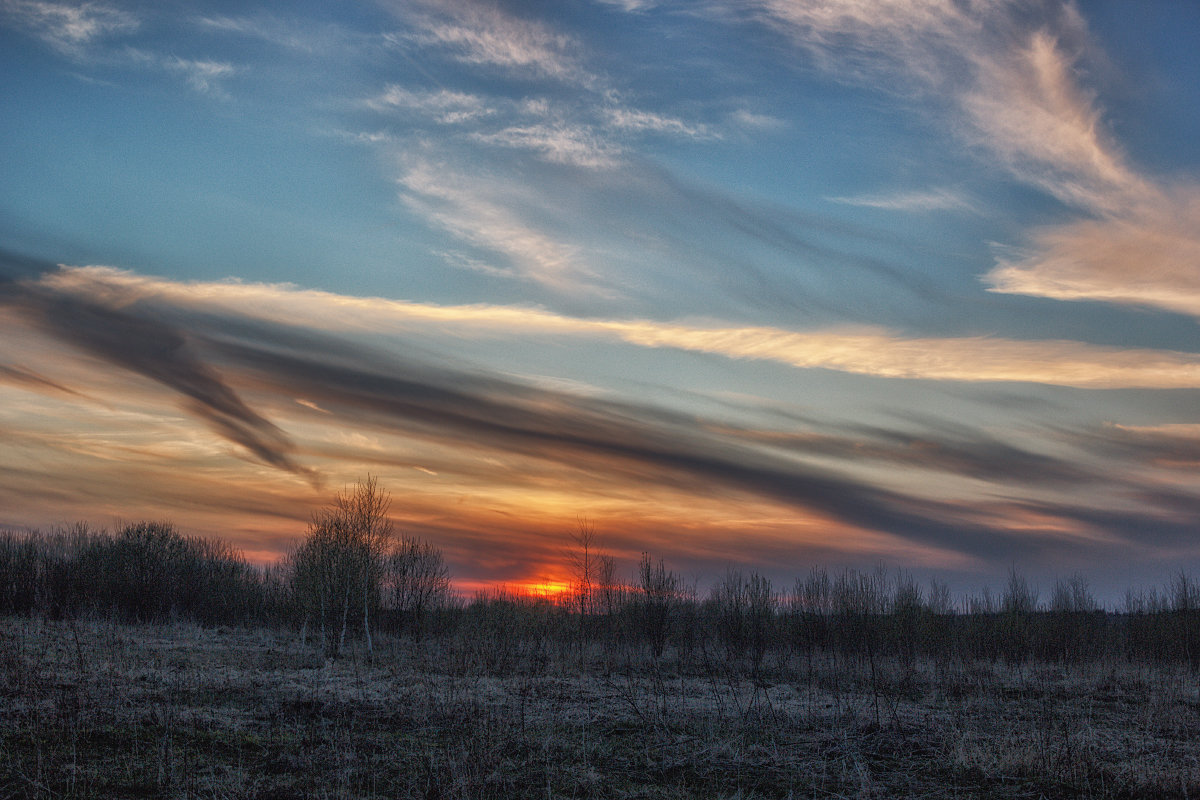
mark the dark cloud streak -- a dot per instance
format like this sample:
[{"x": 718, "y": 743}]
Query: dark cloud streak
[
  {"x": 201, "y": 355},
  {"x": 145, "y": 345},
  {"x": 667, "y": 449}
]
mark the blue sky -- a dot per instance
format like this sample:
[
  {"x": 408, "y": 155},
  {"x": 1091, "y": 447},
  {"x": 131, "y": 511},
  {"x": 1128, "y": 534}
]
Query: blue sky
[{"x": 759, "y": 284}]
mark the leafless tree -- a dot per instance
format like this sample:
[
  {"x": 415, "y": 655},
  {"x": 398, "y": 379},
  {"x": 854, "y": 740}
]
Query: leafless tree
[
  {"x": 584, "y": 557},
  {"x": 416, "y": 580},
  {"x": 659, "y": 594},
  {"x": 338, "y": 566}
]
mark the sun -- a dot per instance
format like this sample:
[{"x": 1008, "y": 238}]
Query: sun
[{"x": 545, "y": 589}]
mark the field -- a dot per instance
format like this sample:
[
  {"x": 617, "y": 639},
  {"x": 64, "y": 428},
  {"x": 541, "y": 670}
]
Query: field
[{"x": 100, "y": 709}]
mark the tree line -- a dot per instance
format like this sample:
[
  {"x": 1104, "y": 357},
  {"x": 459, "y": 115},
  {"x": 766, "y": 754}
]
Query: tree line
[{"x": 353, "y": 577}]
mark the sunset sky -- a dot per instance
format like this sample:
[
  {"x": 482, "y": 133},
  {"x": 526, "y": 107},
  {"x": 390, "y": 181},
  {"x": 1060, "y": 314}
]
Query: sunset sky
[{"x": 758, "y": 284}]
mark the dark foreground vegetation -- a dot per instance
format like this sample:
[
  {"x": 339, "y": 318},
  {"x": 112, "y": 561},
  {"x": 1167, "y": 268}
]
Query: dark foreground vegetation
[{"x": 144, "y": 663}]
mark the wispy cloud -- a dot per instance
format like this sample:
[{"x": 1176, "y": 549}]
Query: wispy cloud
[
  {"x": 212, "y": 345},
  {"x": 1149, "y": 256},
  {"x": 29, "y": 377},
  {"x": 68, "y": 27},
  {"x": 203, "y": 76},
  {"x": 1012, "y": 78},
  {"x": 559, "y": 144},
  {"x": 631, "y": 119},
  {"x": 591, "y": 137},
  {"x": 479, "y": 33},
  {"x": 464, "y": 207},
  {"x": 1008, "y": 73},
  {"x": 864, "y": 351},
  {"x": 632, "y": 6},
  {"x": 1028, "y": 107},
  {"x": 745, "y": 119},
  {"x": 939, "y": 199},
  {"x": 884, "y": 354},
  {"x": 148, "y": 347},
  {"x": 446, "y": 107}
]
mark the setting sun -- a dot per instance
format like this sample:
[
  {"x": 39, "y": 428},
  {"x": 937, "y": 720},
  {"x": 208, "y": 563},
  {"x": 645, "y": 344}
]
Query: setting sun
[{"x": 545, "y": 589}]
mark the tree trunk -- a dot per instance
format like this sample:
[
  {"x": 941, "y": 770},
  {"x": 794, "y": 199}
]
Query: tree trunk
[{"x": 366, "y": 610}]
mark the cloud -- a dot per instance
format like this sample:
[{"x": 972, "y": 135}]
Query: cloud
[
  {"x": 640, "y": 444},
  {"x": 591, "y": 137},
  {"x": 1008, "y": 73},
  {"x": 444, "y": 106},
  {"x": 865, "y": 351},
  {"x": 750, "y": 120},
  {"x": 630, "y": 119},
  {"x": 31, "y": 378},
  {"x": 139, "y": 343},
  {"x": 559, "y": 144},
  {"x": 1147, "y": 257},
  {"x": 1028, "y": 107},
  {"x": 309, "y": 36},
  {"x": 552, "y": 224},
  {"x": 1174, "y": 447},
  {"x": 200, "y": 355},
  {"x": 921, "y": 201},
  {"x": 482, "y": 34},
  {"x": 474, "y": 210},
  {"x": 589, "y": 129},
  {"x": 203, "y": 76},
  {"x": 68, "y": 27},
  {"x": 973, "y": 359},
  {"x": 943, "y": 449},
  {"x": 1013, "y": 79},
  {"x": 201, "y": 341},
  {"x": 631, "y": 6}
]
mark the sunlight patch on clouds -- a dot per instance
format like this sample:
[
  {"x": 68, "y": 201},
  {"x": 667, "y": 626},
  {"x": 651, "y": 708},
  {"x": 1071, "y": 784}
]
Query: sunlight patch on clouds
[
  {"x": 884, "y": 354},
  {"x": 1150, "y": 257},
  {"x": 864, "y": 351}
]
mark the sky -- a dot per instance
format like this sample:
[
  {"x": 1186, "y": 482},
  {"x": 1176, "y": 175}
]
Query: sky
[{"x": 751, "y": 285}]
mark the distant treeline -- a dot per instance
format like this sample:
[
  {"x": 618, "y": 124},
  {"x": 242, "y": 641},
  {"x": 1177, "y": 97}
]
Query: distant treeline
[{"x": 336, "y": 586}]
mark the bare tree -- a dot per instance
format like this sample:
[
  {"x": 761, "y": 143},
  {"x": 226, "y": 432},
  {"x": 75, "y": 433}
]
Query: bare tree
[
  {"x": 338, "y": 566},
  {"x": 1072, "y": 596},
  {"x": 586, "y": 566},
  {"x": 584, "y": 556},
  {"x": 659, "y": 588},
  {"x": 367, "y": 508},
  {"x": 416, "y": 580}
]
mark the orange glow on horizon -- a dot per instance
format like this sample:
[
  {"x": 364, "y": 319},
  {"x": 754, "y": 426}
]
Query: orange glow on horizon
[{"x": 543, "y": 589}]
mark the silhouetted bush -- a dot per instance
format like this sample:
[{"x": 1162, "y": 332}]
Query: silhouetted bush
[
  {"x": 150, "y": 572},
  {"x": 145, "y": 572}
]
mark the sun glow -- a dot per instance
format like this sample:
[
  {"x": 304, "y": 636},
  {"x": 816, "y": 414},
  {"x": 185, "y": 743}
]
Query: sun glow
[{"x": 545, "y": 589}]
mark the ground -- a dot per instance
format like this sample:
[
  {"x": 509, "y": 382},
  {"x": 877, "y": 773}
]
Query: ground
[{"x": 97, "y": 709}]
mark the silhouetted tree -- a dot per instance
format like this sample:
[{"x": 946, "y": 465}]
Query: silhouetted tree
[
  {"x": 416, "y": 580},
  {"x": 659, "y": 594},
  {"x": 338, "y": 566}
]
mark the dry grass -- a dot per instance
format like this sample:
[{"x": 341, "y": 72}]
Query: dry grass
[{"x": 94, "y": 709}]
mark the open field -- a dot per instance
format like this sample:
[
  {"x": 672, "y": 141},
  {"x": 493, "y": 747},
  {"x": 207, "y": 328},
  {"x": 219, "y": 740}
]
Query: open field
[{"x": 98, "y": 709}]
